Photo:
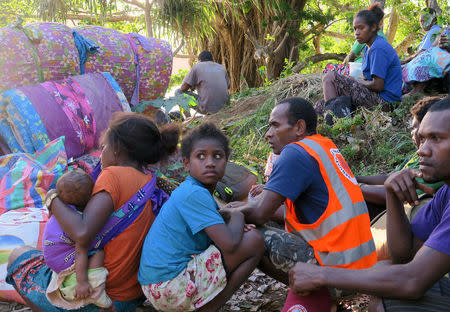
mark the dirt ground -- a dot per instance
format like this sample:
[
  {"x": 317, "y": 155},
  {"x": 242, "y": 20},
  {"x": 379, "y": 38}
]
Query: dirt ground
[{"x": 259, "y": 293}]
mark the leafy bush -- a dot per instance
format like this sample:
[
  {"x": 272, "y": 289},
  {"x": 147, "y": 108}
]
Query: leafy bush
[{"x": 177, "y": 79}]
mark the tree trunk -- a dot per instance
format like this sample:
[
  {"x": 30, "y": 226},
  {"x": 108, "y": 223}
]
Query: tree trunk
[
  {"x": 403, "y": 46},
  {"x": 434, "y": 5},
  {"x": 338, "y": 35},
  {"x": 242, "y": 43},
  {"x": 318, "y": 58},
  {"x": 148, "y": 20},
  {"x": 316, "y": 40},
  {"x": 392, "y": 26}
]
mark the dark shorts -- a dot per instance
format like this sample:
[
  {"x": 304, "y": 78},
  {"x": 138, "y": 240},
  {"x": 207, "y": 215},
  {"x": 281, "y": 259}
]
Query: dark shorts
[
  {"x": 436, "y": 299},
  {"x": 286, "y": 249},
  {"x": 31, "y": 277}
]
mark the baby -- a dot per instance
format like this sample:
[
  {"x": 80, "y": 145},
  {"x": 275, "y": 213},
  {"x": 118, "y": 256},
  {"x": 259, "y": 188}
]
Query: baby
[
  {"x": 73, "y": 285},
  {"x": 75, "y": 188}
]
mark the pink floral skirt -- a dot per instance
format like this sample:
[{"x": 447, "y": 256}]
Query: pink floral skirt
[{"x": 202, "y": 280}]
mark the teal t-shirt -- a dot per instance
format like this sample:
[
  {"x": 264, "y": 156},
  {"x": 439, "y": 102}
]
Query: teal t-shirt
[
  {"x": 178, "y": 232},
  {"x": 358, "y": 48}
]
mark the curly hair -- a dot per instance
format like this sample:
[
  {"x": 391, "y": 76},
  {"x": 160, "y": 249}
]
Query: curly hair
[
  {"x": 421, "y": 108},
  {"x": 299, "y": 108},
  {"x": 204, "y": 131},
  {"x": 205, "y": 56}
]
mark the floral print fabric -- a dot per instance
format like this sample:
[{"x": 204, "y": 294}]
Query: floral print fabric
[
  {"x": 46, "y": 51},
  {"x": 78, "y": 108},
  {"x": 432, "y": 63},
  {"x": 73, "y": 102},
  {"x": 54, "y": 44},
  {"x": 17, "y": 61},
  {"x": 114, "y": 56},
  {"x": 202, "y": 280}
]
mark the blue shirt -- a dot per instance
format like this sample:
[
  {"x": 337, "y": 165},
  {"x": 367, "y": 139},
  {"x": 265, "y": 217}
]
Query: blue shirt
[
  {"x": 381, "y": 60},
  {"x": 432, "y": 223},
  {"x": 178, "y": 232},
  {"x": 296, "y": 175},
  {"x": 427, "y": 41}
]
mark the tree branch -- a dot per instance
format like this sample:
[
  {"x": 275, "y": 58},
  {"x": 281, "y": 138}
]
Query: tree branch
[
  {"x": 252, "y": 39},
  {"x": 318, "y": 58},
  {"x": 110, "y": 19},
  {"x": 277, "y": 50},
  {"x": 135, "y": 3},
  {"x": 179, "y": 47},
  {"x": 403, "y": 46},
  {"x": 338, "y": 35}
]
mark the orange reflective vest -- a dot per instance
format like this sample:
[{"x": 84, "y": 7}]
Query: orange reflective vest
[{"x": 341, "y": 237}]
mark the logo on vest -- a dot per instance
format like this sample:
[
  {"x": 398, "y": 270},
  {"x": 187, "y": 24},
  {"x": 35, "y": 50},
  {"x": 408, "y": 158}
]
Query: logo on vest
[
  {"x": 297, "y": 308},
  {"x": 342, "y": 165}
]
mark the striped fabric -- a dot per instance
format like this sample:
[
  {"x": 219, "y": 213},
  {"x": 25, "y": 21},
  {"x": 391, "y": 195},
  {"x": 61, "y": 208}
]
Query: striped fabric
[{"x": 26, "y": 178}]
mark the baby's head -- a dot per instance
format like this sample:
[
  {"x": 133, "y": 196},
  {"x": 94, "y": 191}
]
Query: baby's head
[
  {"x": 75, "y": 188},
  {"x": 205, "y": 151}
]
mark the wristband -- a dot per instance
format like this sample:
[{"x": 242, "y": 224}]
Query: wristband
[{"x": 49, "y": 200}]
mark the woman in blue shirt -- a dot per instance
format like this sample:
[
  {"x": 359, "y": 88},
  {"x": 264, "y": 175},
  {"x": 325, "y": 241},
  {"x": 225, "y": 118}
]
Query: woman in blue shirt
[{"x": 381, "y": 67}]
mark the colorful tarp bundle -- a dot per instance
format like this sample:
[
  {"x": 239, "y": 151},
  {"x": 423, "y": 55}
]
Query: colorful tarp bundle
[
  {"x": 24, "y": 182},
  {"x": 78, "y": 108},
  {"x": 48, "y": 51}
]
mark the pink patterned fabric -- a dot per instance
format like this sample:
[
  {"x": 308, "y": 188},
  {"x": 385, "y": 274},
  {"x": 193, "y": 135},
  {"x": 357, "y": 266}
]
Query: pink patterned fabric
[
  {"x": 156, "y": 67},
  {"x": 115, "y": 56},
  {"x": 202, "y": 280},
  {"x": 17, "y": 63},
  {"x": 73, "y": 102},
  {"x": 46, "y": 51},
  {"x": 58, "y": 55}
]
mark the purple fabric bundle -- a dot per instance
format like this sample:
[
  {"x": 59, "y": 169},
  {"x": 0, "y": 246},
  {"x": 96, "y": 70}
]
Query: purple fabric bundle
[{"x": 78, "y": 108}]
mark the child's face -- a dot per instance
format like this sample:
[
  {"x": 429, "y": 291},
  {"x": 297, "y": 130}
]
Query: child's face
[{"x": 207, "y": 162}]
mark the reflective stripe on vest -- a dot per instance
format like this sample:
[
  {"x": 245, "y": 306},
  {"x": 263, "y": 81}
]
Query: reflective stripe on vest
[
  {"x": 337, "y": 218},
  {"x": 347, "y": 256}
]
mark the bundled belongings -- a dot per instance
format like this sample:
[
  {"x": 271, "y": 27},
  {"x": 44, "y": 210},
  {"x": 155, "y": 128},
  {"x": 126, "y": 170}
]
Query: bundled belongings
[
  {"x": 40, "y": 52},
  {"x": 78, "y": 108}
]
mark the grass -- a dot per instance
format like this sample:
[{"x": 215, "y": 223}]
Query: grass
[{"x": 372, "y": 142}]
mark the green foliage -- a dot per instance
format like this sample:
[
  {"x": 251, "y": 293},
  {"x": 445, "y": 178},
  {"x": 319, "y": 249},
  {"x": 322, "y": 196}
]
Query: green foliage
[
  {"x": 11, "y": 10},
  {"x": 177, "y": 79},
  {"x": 372, "y": 142},
  {"x": 262, "y": 72},
  {"x": 184, "y": 102},
  {"x": 287, "y": 68}
]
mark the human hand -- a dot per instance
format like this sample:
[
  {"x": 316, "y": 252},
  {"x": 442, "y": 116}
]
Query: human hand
[
  {"x": 51, "y": 194},
  {"x": 444, "y": 41},
  {"x": 304, "y": 278},
  {"x": 249, "y": 227},
  {"x": 256, "y": 190},
  {"x": 83, "y": 290},
  {"x": 235, "y": 204},
  {"x": 403, "y": 185}
]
